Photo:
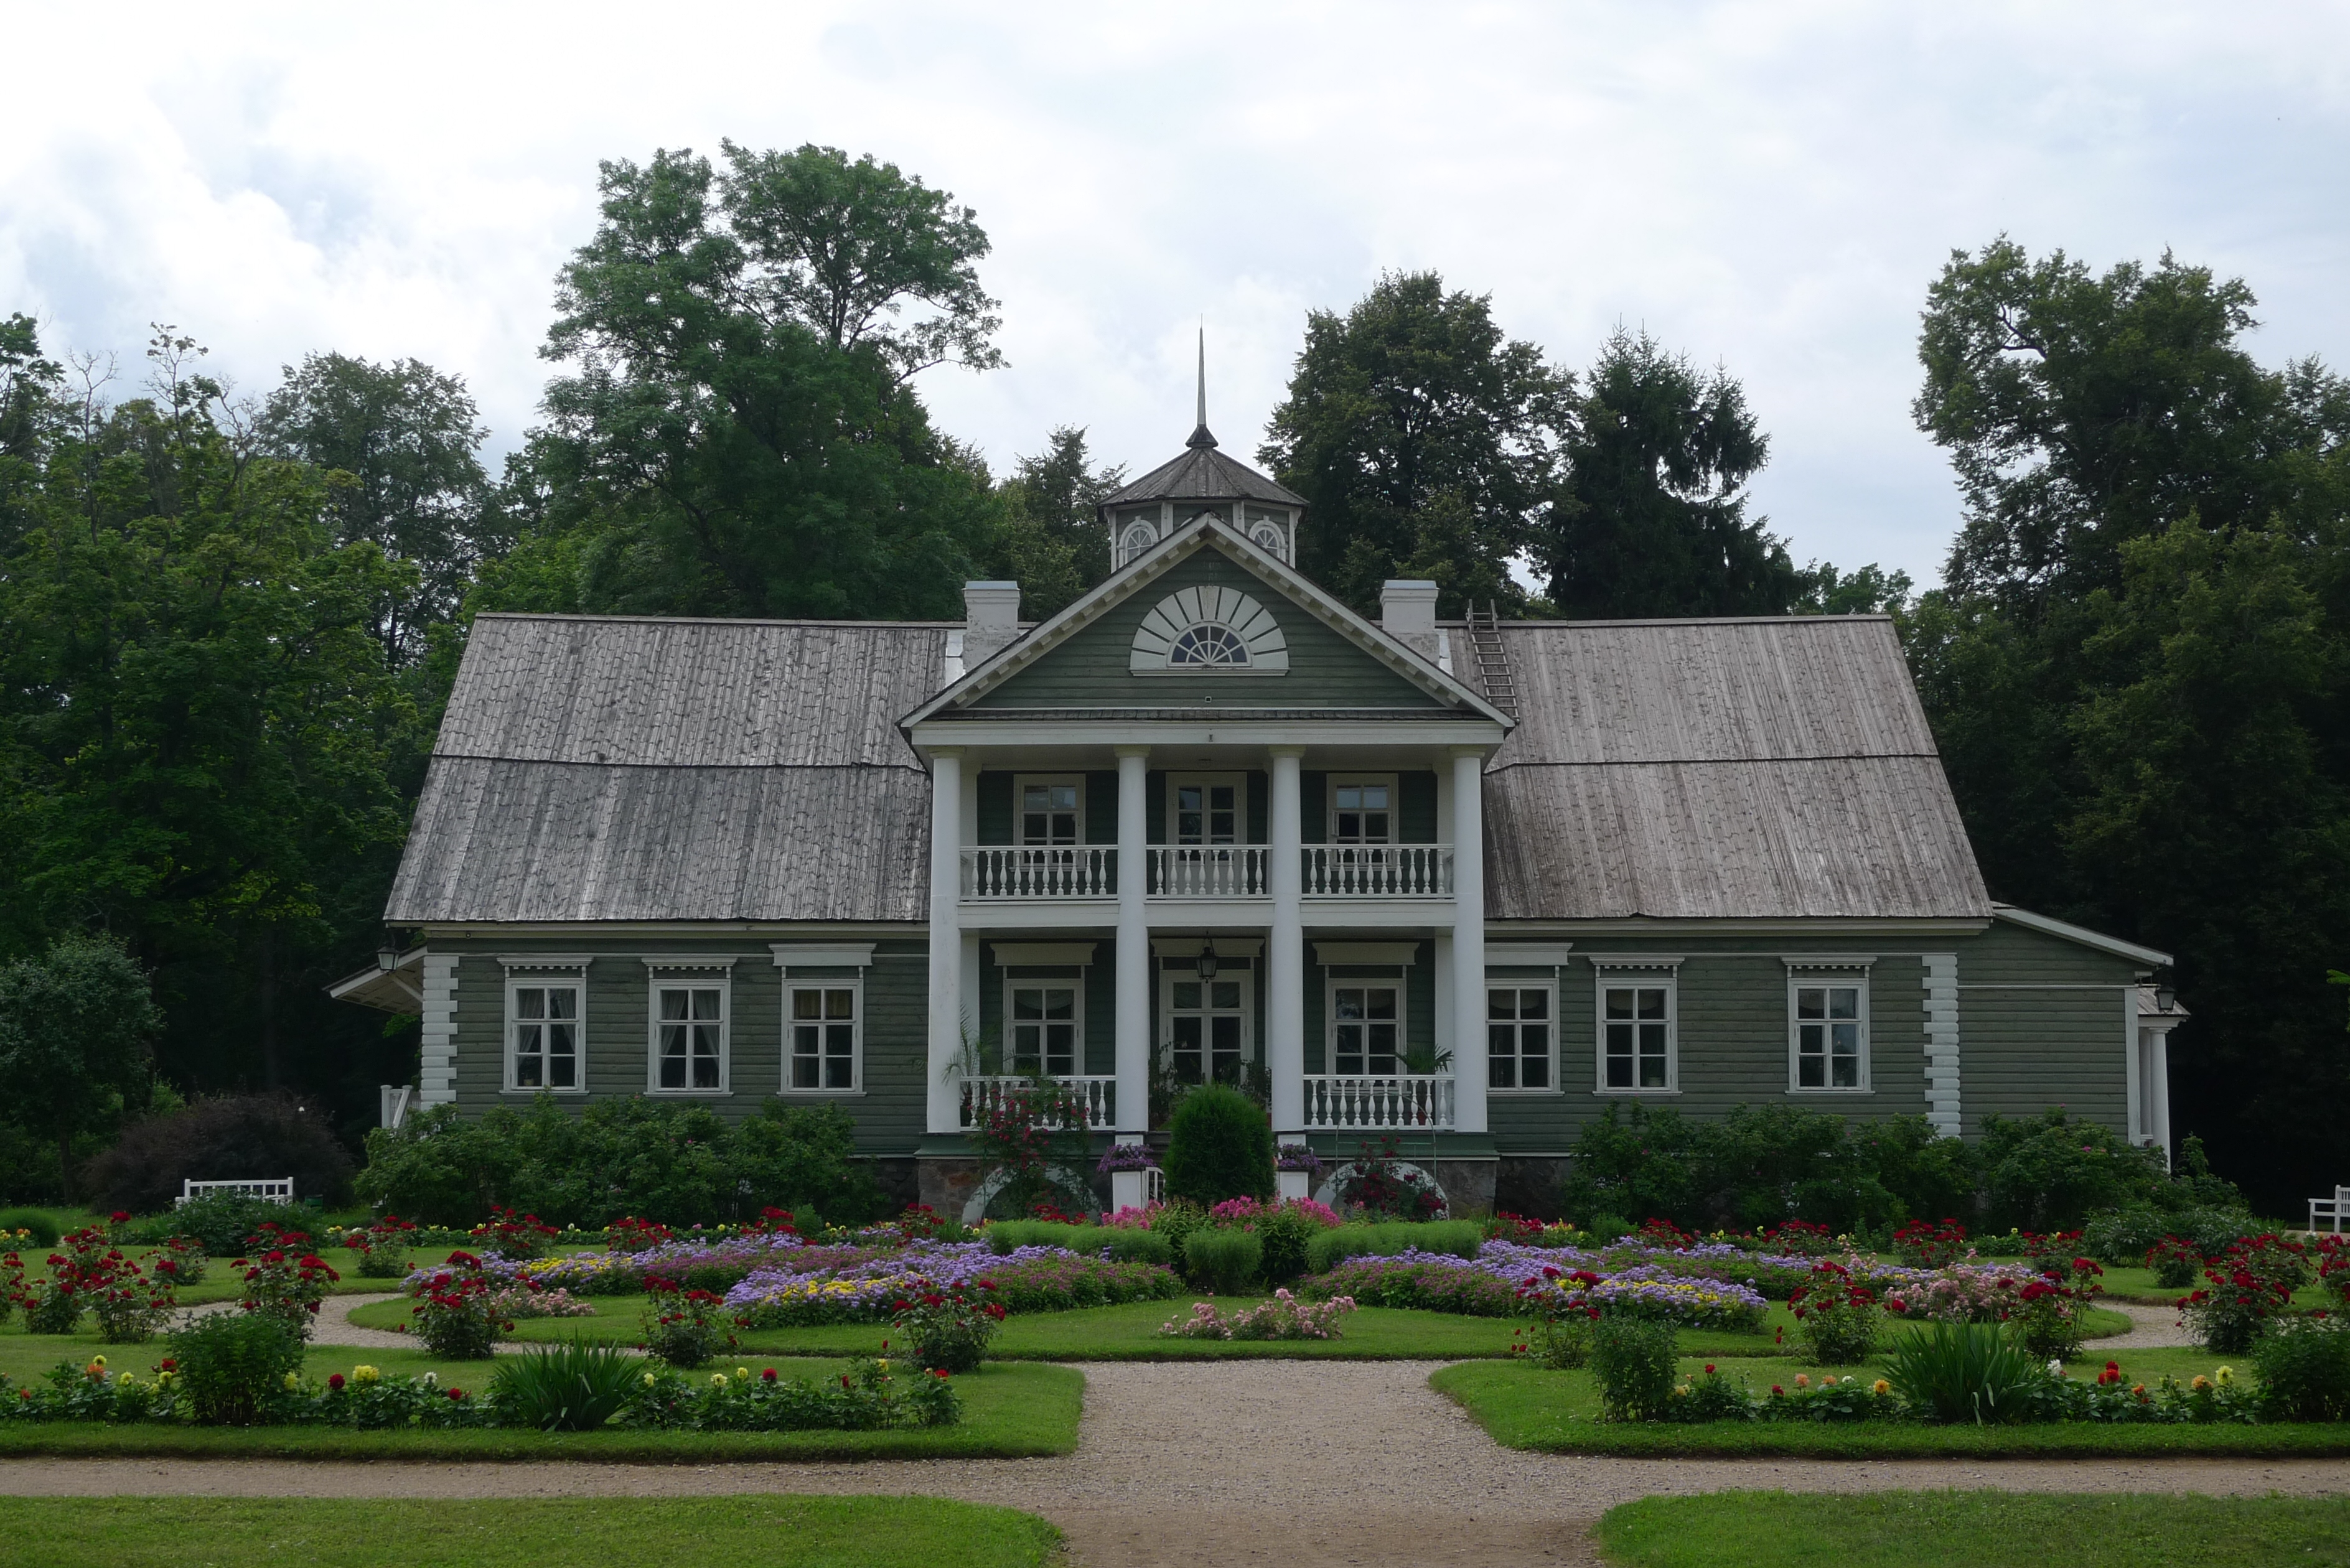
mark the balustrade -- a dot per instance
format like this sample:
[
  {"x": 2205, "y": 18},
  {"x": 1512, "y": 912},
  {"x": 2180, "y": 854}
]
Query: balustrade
[
  {"x": 1399, "y": 1101},
  {"x": 1379, "y": 871},
  {"x": 1062, "y": 1103}
]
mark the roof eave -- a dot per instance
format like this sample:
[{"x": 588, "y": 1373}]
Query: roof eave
[{"x": 2048, "y": 925}]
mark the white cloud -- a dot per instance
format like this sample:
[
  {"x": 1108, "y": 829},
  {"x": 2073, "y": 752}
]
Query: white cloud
[{"x": 1771, "y": 187}]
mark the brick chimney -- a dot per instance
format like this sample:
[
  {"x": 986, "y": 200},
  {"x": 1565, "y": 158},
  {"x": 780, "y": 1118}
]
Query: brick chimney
[
  {"x": 1408, "y": 613},
  {"x": 990, "y": 619}
]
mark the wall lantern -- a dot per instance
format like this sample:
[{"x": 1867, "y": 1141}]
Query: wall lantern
[
  {"x": 1207, "y": 958},
  {"x": 387, "y": 959}
]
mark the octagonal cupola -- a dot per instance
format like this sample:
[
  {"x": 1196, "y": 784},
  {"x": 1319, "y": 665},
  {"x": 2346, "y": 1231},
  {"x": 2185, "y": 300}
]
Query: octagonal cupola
[{"x": 1202, "y": 482}]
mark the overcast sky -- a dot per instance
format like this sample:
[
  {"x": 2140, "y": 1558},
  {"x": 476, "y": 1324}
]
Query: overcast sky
[{"x": 1771, "y": 187}]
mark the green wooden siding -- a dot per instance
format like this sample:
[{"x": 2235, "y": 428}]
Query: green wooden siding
[
  {"x": 1089, "y": 670},
  {"x": 2042, "y": 1024}
]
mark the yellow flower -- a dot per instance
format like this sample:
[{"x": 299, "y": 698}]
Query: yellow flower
[
  {"x": 718, "y": 1380},
  {"x": 292, "y": 1381},
  {"x": 2227, "y": 1375},
  {"x": 98, "y": 1361},
  {"x": 741, "y": 1374},
  {"x": 648, "y": 1380},
  {"x": 884, "y": 1364},
  {"x": 365, "y": 1373},
  {"x": 163, "y": 1377},
  {"x": 1880, "y": 1387}
]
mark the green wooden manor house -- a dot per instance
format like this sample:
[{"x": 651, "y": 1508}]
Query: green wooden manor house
[{"x": 1463, "y": 884}]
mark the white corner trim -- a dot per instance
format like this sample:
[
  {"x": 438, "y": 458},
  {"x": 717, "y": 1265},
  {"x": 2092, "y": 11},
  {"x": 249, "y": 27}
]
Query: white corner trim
[
  {"x": 1848, "y": 963},
  {"x": 1942, "y": 1106},
  {"x": 1042, "y": 955},
  {"x": 1528, "y": 955},
  {"x": 1331, "y": 953},
  {"x": 1636, "y": 960},
  {"x": 827, "y": 955},
  {"x": 436, "y": 1076},
  {"x": 2086, "y": 937}
]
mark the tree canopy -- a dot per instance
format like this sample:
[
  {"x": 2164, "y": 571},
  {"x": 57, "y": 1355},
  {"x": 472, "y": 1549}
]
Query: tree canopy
[
  {"x": 1424, "y": 442},
  {"x": 74, "y": 1027},
  {"x": 1049, "y": 539}
]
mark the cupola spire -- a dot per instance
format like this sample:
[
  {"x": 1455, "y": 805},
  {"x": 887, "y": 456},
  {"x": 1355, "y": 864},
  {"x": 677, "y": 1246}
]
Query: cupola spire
[{"x": 1199, "y": 435}]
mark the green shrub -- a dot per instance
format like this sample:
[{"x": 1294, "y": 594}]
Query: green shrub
[
  {"x": 1605, "y": 1227},
  {"x": 233, "y": 1365},
  {"x": 220, "y": 1138},
  {"x": 39, "y": 1222},
  {"x": 1223, "y": 1261},
  {"x": 2049, "y": 1172},
  {"x": 1127, "y": 1246},
  {"x": 574, "y": 1388},
  {"x": 1325, "y": 1249},
  {"x": 1288, "y": 1236},
  {"x": 1219, "y": 1146},
  {"x": 1632, "y": 1363},
  {"x": 676, "y": 1164},
  {"x": 2304, "y": 1367},
  {"x": 1964, "y": 1372},
  {"x": 1176, "y": 1220},
  {"x": 223, "y": 1221}
]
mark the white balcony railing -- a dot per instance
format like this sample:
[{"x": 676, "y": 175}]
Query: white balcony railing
[
  {"x": 1379, "y": 871},
  {"x": 1214, "y": 871},
  {"x": 1086, "y": 871},
  {"x": 1086, "y": 1100},
  {"x": 1404, "y": 1101}
]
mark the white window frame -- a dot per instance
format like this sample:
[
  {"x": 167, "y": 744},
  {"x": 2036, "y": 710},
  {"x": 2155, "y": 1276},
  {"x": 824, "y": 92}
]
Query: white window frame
[
  {"x": 1551, "y": 988},
  {"x": 1332, "y": 985},
  {"x": 571, "y": 975},
  {"x": 1170, "y": 976},
  {"x": 1128, "y": 551},
  {"x": 855, "y": 985},
  {"x": 1239, "y": 781},
  {"x": 1800, "y": 979},
  {"x": 1074, "y": 984},
  {"x": 1020, "y": 784},
  {"x": 1330, "y": 808},
  {"x": 670, "y": 977},
  {"x": 1637, "y": 977}
]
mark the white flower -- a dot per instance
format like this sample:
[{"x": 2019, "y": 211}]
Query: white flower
[{"x": 2056, "y": 1370}]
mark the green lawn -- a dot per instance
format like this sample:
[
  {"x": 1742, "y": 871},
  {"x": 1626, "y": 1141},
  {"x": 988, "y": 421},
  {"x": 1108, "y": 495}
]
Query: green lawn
[
  {"x": 1963, "y": 1530},
  {"x": 1010, "y": 1411},
  {"x": 537, "y": 1533},
  {"x": 1523, "y": 1406}
]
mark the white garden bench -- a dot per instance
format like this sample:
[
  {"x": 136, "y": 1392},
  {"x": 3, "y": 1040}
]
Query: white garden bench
[
  {"x": 2333, "y": 1211},
  {"x": 268, "y": 1189}
]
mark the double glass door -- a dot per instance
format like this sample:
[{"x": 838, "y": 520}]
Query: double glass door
[
  {"x": 1206, "y": 825},
  {"x": 1208, "y": 1025}
]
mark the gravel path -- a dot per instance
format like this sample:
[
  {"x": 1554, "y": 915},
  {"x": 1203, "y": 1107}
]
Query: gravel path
[
  {"x": 333, "y": 1325},
  {"x": 2158, "y": 1329},
  {"x": 1308, "y": 1464}
]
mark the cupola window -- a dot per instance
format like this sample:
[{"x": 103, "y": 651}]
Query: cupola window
[{"x": 1138, "y": 539}]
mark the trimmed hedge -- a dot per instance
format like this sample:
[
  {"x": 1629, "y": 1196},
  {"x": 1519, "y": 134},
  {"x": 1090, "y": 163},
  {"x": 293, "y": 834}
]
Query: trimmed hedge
[
  {"x": 1126, "y": 1246},
  {"x": 1219, "y": 1146}
]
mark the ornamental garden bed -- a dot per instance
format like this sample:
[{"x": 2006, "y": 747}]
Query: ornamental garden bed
[
  {"x": 1964, "y": 1529},
  {"x": 1522, "y": 1405},
  {"x": 524, "y": 1532}
]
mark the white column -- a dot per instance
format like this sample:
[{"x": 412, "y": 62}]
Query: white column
[
  {"x": 945, "y": 1112},
  {"x": 1285, "y": 949},
  {"x": 1469, "y": 938},
  {"x": 2159, "y": 1086},
  {"x": 1134, "y": 1042}
]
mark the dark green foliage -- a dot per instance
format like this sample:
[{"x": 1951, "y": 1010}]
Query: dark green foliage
[
  {"x": 397, "y": 442},
  {"x": 233, "y": 1365},
  {"x": 2123, "y": 1235},
  {"x": 678, "y": 1165},
  {"x": 1224, "y": 1259},
  {"x": 39, "y": 1222},
  {"x": 1651, "y": 515},
  {"x": 1424, "y": 443},
  {"x": 74, "y": 1026},
  {"x": 573, "y": 1388},
  {"x": 226, "y": 1137},
  {"x": 2304, "y": 1367},
  {"x": 1288, "y": 1237},
  {"x": 2138, "y": 675},
  {"x": 1219, "y": 1146},
  {"x": 1049, "y": 540},
  {"x": 2049, "y": 1172},
  {"x": 1964, "y": 1372},
  {"x": 1632, "y": 1362},
  {"x": 738, "y": 437},
  {"x": 1329, "y": 1248},
  {"x": 222, "y": 1222}
]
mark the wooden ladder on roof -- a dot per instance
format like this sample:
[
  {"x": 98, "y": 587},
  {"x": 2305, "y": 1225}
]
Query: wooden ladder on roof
[{"x": 1494, "y": 675}]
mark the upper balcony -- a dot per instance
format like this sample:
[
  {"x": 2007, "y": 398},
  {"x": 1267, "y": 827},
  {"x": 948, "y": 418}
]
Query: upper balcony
[{"x": 1008, "y": 874}]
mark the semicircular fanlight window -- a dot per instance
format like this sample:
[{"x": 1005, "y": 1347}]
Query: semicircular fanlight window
[{"x": 1208, "y": 644}]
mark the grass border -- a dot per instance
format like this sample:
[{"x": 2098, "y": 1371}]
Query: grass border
[{"x": 1858, "y": 1440}]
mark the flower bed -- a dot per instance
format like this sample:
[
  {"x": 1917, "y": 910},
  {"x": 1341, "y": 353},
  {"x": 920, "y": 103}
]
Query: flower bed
[
  {"x": 863, "y": 1288},
  {"x": 1282, "y": 1317}
]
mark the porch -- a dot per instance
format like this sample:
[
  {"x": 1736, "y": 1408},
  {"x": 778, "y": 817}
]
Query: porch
[{"x": 1335, "y": 1103}]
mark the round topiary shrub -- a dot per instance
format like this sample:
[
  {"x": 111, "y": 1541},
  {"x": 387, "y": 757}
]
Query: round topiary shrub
[{"x": 1219, "y": 1146}]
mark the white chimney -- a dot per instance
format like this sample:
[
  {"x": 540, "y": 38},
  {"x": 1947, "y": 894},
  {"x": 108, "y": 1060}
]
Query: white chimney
[
  {"x": 990, "y": 619},
  {"x": 1408, "y": 613}
]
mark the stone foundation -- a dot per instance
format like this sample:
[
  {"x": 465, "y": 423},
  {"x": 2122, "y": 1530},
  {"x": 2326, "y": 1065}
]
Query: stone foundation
[
  {"x": 946, "y": 1182},
  {"x": 1528, "y": 1185},
  {"x": 1468, "y": 1184}
]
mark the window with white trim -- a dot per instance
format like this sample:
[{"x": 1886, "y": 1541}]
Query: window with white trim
[
  {"x": 1362, "y": 808},
  {"x": 1045, "y": 1029},
  {"x": 1521, "y": 1036},
  {"x": 1052, "y": 811},
  {"x": 546, "y": 1042},
  {"x": 823, "y": 1036},
  {"x": 1638, "y": 1050},
  {"x": 1140, "y": 537},
  {"x": 1828, "y": 1032},
  {"x": 688, "y": 1034},
  {"x": 1366, "y": 1032}
]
